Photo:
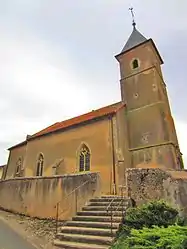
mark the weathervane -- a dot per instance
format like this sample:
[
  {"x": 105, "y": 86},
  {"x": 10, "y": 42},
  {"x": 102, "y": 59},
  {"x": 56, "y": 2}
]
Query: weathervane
[{"x": 133, "y": 20}]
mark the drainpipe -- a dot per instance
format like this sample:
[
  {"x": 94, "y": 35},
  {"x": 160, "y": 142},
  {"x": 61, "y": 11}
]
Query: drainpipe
[{"x": 113, "y": 157}]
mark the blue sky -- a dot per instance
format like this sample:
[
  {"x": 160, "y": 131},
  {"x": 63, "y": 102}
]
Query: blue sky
[{"x": 57, "y": 59}]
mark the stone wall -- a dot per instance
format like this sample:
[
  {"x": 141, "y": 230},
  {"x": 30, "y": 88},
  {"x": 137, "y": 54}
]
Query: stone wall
[
  {"x": 37, "y": 197},
  {"x": 154, "y": 184}
]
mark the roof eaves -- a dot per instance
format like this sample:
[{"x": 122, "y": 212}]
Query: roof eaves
[
  {"x": 116, "y": 56},
  {"x": 120, "y": 107},
  {"x": 162, "y": 62},
  {"x": 18, "y": 145}
]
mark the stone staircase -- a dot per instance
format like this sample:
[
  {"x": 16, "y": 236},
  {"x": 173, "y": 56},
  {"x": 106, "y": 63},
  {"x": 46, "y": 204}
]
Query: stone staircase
[{"x": 91, "y": 228}]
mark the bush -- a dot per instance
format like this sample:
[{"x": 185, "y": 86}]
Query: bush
[
  {"x": 156, "y": 213},
  {"x": 155, "y": 225},
  {"x": 172, "y": 237}
]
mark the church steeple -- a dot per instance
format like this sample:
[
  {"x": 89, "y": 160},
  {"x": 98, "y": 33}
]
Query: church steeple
[
  {"x": 136, "y": 38},
  {"x": 152, "y": 138}
]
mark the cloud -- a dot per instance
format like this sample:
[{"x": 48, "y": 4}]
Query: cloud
[
  {"x": 57, "y": 59},
  {"x": 34, "y": 91}
]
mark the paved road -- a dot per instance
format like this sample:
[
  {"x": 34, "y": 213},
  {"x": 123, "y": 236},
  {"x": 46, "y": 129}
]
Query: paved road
[{"x": 11, "y": 240}]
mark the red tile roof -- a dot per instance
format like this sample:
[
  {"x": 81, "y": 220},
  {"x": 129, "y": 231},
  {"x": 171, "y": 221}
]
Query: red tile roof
[{"x": 104, "y": 111}]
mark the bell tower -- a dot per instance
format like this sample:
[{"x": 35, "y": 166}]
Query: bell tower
[{"x": 152, "y": 136}]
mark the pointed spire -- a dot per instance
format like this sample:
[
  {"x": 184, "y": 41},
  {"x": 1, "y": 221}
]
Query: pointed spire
[{"x": 135, "y": 38}]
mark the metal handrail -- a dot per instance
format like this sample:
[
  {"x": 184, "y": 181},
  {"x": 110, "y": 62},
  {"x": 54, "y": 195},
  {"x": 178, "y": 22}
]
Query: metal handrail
[
  {"x": 67, "y": 196},
  {"x": 111, "y": 220},
  {"x": 118, "y": 205},
  {"x": 73, "y": 191},
  {"x": 111, "y": 215},
  {"x": 109, "y": 205}
]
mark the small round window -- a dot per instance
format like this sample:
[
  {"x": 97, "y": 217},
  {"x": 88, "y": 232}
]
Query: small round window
[{"x": 135, "y": 64}]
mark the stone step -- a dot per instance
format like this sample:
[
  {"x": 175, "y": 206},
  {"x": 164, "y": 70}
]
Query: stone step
[
  {"x": 106, "y": 199},
  {"x": 103, "y": 225},
  {"x": 104, "y": 208},
  {"x": 80, "y": 238},
  {"x": 112, "y": 197},
  {"x": 91, "y": 227},
  {"x": 99, "y": 213},
  {"x": 75, "y": 245},
  {"x": 105, "y": 204},
  {"x": 88, "y": 231},
  {"x": 97, "y": 218}
]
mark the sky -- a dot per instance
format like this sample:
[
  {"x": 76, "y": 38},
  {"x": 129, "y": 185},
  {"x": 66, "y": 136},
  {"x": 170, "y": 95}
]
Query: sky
[{"x": 57, "y": 59}]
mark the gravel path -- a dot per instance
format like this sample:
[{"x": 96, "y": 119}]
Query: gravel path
[{"x": 20, "y": 229}]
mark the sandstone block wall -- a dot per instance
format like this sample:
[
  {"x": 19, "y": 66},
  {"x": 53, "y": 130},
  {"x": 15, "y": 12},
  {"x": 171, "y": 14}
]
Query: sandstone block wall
[{"x": 38, "y": 196}]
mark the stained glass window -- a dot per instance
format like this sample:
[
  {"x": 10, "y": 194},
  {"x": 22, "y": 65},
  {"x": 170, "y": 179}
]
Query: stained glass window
[
  {"x": 40, "y": 163},
  {"x": 84, "y": 159}
]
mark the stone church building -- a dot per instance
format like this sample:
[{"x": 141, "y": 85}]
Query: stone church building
[{"x": 138, "y": 131}]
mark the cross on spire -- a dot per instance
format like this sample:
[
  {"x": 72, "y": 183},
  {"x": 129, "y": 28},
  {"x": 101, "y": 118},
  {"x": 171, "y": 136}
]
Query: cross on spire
[{"x": 133, "y": 19}]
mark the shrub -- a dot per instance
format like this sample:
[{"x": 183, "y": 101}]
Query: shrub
[
  {"x": 172, "y": 237},
  {"x": 155, "y": 225},
  {"x": 154, "y": 213}
]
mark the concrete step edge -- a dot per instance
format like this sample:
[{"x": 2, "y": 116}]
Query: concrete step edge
[
  {"x": 107, "y": 200},
  {"x": 90, "y": 239},
  {"x": 107, "y": 203},
  {"x": 75, "y": 245},
  {"x": 103, "y": 207},
  {"x": 99, "y": 213},
  {"x": 88, "y": 231},
  {"x": 112, "y": 196},
  {"x": 104, "y": 238},
  {"x": 86, "y": 228},
  {"x": 96, "y": 217},
  {"x": 94, "y": 224}
]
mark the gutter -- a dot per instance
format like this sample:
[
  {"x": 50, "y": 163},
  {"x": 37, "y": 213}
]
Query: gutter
[{"x": 113, "y": 156}]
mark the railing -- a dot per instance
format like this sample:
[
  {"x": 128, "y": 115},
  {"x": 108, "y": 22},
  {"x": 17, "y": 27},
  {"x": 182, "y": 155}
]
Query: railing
[
  {"x": 57, "y": 206},
  {"x": 110, "y": 208}
]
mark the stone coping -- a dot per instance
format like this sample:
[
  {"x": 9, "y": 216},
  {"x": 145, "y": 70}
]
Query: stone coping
[
  {"x": 174, "y": 173},
  {"x": 49, "y": 177}
]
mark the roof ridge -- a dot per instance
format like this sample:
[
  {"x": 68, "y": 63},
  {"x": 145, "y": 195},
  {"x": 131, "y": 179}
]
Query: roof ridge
[
  {"x": 98, "y": 109},
  {"x": 98, "y": 113},
  {"x": 77, "y": 117}
]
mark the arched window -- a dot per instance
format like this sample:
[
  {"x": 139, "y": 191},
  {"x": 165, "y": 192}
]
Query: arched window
[
  {"x": 40, "y": 165},
  {"x": 84, "y": 158},
  {"x": 18, "y": 167},
  {"x": 135, "y": 64}
]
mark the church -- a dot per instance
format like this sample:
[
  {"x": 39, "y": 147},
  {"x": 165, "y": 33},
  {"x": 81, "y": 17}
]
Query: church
[{"x": 136, "y": 132}]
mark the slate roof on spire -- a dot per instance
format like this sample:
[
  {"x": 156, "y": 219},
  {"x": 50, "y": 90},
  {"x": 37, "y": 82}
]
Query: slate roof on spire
[{"x": 135, "y": 39}]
